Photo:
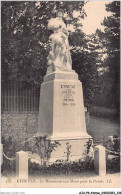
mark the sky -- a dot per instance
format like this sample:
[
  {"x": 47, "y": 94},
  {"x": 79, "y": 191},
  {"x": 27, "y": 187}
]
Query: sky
[{"x": 96, "y": 12}]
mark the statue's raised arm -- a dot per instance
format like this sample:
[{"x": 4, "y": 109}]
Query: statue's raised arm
[{"x": 59, "y": 57}]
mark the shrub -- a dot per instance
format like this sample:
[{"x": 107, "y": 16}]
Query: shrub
[
  {"x": 9, "y": 148},
  {"x": 113, "y": 165},
  {"x": 113, "y": 143},
  {"x": 60, "y": 168}
]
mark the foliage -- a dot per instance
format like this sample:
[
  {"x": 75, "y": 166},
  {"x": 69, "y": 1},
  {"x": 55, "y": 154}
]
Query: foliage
[
  {"x": 44, "y": 147},
  {"x": 111, "y": 43},
  {"x": 63, "y": 166},
  {"x": 113, "y": 165},
  {"x": 86, "y": 60},
  {"x": 114, "y": 144},
  {"x": 68, "y": 151},
  {"x": 39, "y": 145},
  {"x": 10, "y": 147},
  {"x": 52, "y": 146},
  {"x": 60, "y": 168},
  {"x": 88, "y": 145}
]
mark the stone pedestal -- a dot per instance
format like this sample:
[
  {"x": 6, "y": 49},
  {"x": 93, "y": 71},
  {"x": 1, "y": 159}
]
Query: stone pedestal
[
  {"x": 100, "y": 160},
  {"x": 61, "y": 114},
  {"x": 22, "y": 165},
  {"x": 1, "y": 154}
]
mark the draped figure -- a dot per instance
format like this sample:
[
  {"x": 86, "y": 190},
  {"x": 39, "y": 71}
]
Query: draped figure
[{"x": 59, "y": 57}]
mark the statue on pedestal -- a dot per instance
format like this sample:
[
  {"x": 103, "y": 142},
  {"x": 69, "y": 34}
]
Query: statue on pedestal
[
  {"x": 59, "y": 57},
  {"x": 61, "y": 122}
]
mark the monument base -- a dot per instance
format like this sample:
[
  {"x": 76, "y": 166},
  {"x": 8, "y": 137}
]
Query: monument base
[
  {"x": 62, "y": 133},
  {"x": 70, "y": 149},
  {"x": 55, "y": 149}
]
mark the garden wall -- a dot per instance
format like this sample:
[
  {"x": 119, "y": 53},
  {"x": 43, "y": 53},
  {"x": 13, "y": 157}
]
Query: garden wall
[{"x": 20, "y": 126}]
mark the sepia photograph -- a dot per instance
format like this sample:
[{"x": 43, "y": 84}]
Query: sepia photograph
[{"x": 60, "y": 95}]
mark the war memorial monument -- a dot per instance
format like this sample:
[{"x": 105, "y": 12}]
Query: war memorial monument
[{"x": 61, "y": 112}]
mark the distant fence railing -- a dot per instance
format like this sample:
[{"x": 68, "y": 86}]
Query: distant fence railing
[{"x": 15, "y": 97}]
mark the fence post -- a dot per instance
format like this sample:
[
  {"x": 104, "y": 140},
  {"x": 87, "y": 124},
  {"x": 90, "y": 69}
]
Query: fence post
[
  {"x": 100, "y": 160},
  {"x": 1, "y": 154},
  {"x": 22, "y": 165}
]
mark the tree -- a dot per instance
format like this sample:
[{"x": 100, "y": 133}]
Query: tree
[
  {"x": 86, "y": 60},
  {"x": 111, "y": 42}
]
